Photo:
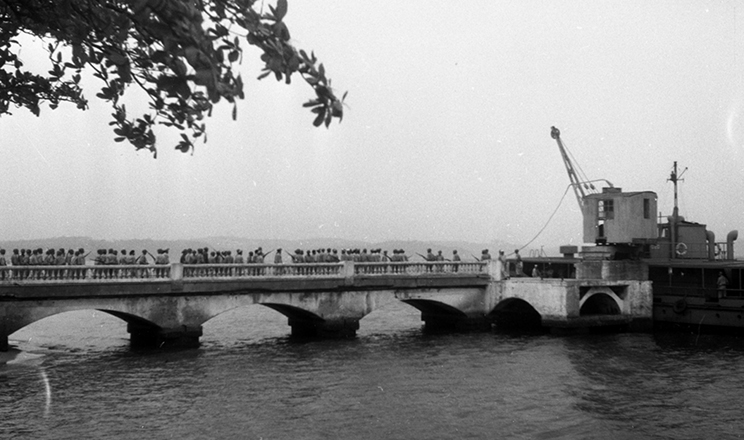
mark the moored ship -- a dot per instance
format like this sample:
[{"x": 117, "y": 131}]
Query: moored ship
[{"x": 697, "y": 281}]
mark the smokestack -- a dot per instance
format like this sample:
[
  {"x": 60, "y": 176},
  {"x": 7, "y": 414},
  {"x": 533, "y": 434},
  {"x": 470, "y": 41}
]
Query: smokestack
[
  {"x": 711, "y": 237},
  {"x": 730, "y": 238}
]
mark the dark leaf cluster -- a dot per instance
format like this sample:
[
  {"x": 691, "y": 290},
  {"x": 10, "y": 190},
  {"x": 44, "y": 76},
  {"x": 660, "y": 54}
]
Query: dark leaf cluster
[{"x": 182, "y": 53}]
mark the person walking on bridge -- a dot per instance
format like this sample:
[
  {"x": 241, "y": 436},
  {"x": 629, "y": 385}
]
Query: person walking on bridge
[
  {"x": 3, "y": 265},
  {"x": 485, "y": 255},
  {"x": 504, "y": 266},
  {"x": 142, "y": 260},
  {"x": 519, "y": 264},
  {"x": 455, "y": 261},
  {"x": 439, "y": 258}
]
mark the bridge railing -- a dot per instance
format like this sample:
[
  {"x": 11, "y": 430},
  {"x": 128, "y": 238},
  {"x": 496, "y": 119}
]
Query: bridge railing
[
  {"x": 191, "y": 271},
  {"x": 419, "y": 268},
  {"x": 178, "y": 271},
  {"x": 80, "y": 273}
]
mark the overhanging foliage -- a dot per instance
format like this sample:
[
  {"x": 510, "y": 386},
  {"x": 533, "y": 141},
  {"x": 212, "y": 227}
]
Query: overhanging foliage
[{"x": 182, "y": 53}]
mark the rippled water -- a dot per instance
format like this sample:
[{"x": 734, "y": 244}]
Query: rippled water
[{"x": 77, "y": 378}]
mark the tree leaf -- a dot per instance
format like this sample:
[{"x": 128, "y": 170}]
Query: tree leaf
[
  {"x": 318, "y": 119},
  {"x": 281, "y": 9}
]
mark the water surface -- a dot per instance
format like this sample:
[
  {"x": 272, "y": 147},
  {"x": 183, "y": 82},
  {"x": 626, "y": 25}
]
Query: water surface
[{"x": 76, "y": 377}]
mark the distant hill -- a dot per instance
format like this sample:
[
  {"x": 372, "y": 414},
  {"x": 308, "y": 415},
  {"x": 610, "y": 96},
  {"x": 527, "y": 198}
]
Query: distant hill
[{"x": 467, "y": 250}]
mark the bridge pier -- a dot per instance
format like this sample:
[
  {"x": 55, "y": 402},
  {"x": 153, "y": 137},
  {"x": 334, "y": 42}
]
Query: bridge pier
[
  {"x": 324, "y": 329},
  {"x": 448, "y": 323},
  {"x": 156, "y": 337}
]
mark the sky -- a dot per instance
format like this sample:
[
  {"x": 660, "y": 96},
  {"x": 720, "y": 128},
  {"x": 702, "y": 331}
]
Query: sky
[{"x": 446, "y": 133}]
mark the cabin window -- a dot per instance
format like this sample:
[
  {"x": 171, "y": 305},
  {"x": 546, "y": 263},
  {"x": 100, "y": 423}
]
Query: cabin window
[
  {"x": 605, "y": 209},
  {"x": 646, "y": 208}
]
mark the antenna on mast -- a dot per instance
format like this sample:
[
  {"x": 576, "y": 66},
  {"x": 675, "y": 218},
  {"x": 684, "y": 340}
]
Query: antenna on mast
[{"x": 674, "y": 178}]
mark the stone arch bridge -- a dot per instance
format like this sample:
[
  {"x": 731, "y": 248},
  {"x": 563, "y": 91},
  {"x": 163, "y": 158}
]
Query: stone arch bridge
[{"x": 167, "y": 305}]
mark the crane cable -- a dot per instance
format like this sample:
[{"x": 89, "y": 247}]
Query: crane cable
[{"x": 549, "y": 219}]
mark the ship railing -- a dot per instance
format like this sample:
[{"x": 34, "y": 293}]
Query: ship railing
[
  {"x": 721, "y": 250},
  {"x": 697, "y": 292},
  {"x": 685, "y": 250},
  {"x": 733, "y": 293}
]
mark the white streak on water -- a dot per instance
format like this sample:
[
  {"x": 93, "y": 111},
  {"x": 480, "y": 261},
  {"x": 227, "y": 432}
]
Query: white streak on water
[{"x": 48, "y": 389}]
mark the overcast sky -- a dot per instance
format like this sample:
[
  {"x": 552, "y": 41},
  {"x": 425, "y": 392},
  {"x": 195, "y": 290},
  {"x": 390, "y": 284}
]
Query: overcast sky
[{"x": 446, "y": 135}]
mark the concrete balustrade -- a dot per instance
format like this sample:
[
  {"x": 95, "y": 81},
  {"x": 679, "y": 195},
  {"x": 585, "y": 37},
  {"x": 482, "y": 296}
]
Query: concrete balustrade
[
  {"x": 178, "y": 271},
  {"x": 420, "y": 268},
  {"x": 52, "y": 274}
]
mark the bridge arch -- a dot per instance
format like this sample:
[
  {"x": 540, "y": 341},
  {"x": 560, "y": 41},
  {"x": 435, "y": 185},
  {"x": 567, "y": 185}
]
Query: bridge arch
[
  {"x": 26, "y": 319},
  {"x": 294, "y": 313},
  {"x": 74, "y": 328},
  {"x": 516, "y": 313},
  {"x": 439, "y": 316},
  {"x": 600, "y": 301},
  {"x": 432, "y": 307}
]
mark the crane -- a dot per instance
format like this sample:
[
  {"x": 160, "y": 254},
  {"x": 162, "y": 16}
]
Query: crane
[{"x": 579, "y": 184}]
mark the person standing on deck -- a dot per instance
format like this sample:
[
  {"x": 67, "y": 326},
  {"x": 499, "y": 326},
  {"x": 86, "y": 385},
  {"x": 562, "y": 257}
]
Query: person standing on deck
[
  {"x": 721, "y": 284},
  {"x": 536, "y": 272}
]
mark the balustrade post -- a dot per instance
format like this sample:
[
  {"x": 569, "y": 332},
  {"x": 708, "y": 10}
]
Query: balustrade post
[
  {"x": 176, "y": 272},
  {"x": 348, "y": 272},
  {"x": 494, "y": 270}
]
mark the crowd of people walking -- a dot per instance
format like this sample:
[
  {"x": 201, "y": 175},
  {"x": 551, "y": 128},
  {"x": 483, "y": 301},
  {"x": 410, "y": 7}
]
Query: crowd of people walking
[{"x": 36, "y": 264}]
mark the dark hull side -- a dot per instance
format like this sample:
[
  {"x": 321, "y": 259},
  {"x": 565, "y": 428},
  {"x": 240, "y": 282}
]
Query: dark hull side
[
  {"x": 686, "y": 293},
  {"x": 678, "y": 310}
]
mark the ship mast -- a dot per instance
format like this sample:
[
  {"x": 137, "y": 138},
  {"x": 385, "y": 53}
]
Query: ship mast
[{"x": 674, "y": 178}]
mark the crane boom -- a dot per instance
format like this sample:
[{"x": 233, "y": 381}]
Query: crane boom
[{"x": 575, "y": 182}]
